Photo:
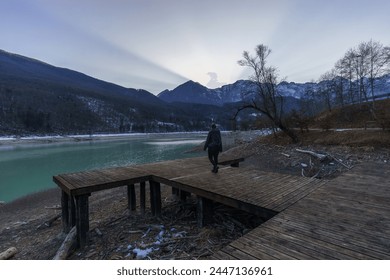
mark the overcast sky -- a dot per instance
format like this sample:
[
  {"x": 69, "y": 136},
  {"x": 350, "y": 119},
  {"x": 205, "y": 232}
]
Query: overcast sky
[{"x": 159, "y": 44}]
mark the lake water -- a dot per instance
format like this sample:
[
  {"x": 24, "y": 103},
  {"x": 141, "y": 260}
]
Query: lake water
[{"x": 25, "y": 169}]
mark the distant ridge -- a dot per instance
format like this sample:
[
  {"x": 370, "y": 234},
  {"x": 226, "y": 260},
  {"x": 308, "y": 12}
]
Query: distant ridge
[{"x": 37, "y": 98}]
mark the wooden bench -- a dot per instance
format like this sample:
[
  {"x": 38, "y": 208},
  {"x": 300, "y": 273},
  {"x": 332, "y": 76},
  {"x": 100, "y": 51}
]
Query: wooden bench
[{"x": 77, "y": 187}]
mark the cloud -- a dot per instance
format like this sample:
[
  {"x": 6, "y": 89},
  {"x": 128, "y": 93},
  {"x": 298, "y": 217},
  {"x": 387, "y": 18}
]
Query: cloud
[{"x": 214, "y": 83}]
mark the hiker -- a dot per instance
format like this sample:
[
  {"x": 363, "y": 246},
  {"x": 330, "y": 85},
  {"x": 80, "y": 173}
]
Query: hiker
[{"x": 214, "y": 146}]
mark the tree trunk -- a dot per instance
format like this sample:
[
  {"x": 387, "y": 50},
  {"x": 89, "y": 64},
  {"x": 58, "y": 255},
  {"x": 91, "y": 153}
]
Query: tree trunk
[{"x": 288, "y": 132}]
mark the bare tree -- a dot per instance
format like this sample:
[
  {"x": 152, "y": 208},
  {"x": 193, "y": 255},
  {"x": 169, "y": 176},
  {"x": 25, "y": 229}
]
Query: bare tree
[
  {"x": 346, "y": 70},
  {"x": 267, "y": 100},
  {"x": 378, "y": 63}
]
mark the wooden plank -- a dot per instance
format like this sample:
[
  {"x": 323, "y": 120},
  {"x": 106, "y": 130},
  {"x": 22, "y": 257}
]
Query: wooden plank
[
  {"x": 315, "y": 242},
  {"x": 258, "y": 250},
  {"x": 63, "y": 183},
  {"x": 221, "y": 255},
  {"x": 346, "y": 245},
  {"x": 236, "y": 253},
  {"x": 294, "y": 246},
  {"x": 364, "y": 236}
]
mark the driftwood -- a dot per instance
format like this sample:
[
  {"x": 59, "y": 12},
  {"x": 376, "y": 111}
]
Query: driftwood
[
  {"x": 55, "y": 207},
  {"x": 49, "y": 222},
  {"x": 323, "y": 157},
  {"x": 98, "y": 232},
  {"x": 316, "y": 155},
  {"x": 286, "y": 155},
  {"x": 67, "y": 245},
  {"x": 342, "y": 163},
  {"x": 9, "y": 253}
]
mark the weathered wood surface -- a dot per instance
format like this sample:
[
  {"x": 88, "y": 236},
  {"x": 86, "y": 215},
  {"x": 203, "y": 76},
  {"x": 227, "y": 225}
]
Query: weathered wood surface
[
  {"x": 232, "y": 186},
  {"x": 77, "y": 187},
  {"x": 85, "y": 182},
  {"x": 347, "y": 218}
]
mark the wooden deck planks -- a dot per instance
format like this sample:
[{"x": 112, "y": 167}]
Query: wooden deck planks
[
  {"x": 266, "y": 190},
  {"x": 347, "y": 218}
]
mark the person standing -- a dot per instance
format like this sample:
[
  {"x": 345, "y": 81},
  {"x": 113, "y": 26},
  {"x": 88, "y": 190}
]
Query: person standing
[{"x": 214, "y": 146}]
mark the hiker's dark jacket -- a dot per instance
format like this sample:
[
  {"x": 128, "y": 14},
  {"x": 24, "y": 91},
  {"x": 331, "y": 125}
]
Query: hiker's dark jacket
[{"x": 214, "y": 141}]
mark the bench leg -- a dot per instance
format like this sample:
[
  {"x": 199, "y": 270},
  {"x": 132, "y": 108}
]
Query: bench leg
[
  {"x": 82, "y": 219},
  {"x": 68, "y": 212},
  {"x": 72, "y": 211},
  {"x": 65, "y": 199}
]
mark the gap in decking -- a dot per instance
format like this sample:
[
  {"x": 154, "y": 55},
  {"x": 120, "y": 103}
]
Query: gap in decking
[{"x": 176, "y": 229}]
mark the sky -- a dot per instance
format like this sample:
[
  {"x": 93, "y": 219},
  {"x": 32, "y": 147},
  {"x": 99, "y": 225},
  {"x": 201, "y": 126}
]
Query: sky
[{"x": 160, "y": 44}]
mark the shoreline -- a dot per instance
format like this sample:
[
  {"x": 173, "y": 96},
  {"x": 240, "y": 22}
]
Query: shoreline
[
  {"x": 11, "y": 140},
  {"x": 230, "y": 139},
  {"x": 14, "y": 140}
]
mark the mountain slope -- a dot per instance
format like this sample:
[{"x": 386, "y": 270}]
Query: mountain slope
[
  {"x": 241, "y": 90},
  {"x": 189, "y": 92},
  {"x": 36, "y": 97}
]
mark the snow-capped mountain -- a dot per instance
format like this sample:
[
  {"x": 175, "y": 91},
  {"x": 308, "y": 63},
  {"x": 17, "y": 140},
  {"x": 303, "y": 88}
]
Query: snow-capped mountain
[
  {"x": 192, "y": 92},
  {"x": 244, "y": 90}
]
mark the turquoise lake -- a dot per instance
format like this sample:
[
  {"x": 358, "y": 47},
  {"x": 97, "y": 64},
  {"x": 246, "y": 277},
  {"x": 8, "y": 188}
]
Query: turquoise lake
[{"x": 25, "y": 169}]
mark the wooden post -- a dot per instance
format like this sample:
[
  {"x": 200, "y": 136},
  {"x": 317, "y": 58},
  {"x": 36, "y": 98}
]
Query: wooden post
[
  {"x": 175, "y": 191},
  {"x": 65, "y": 212},
  {"x": 72, "y": 211},
  {"x": 184, "y": 195},
  {"x": 203, "y": 210},
  {"x": 152, "y": 198},
  {"x": 82, "y": 219},
  {"x": 142, "y": 197},
  {"x": 155, "y": 198},
  {"x": 131, "y": 199},
  {"x": 158, "y": 198}
]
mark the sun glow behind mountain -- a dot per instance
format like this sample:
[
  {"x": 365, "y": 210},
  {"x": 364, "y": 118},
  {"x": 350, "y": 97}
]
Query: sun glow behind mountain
[{"x": 156, "y": 45}]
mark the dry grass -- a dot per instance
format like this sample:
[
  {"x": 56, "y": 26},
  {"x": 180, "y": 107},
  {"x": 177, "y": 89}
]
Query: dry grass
[
  {"x": 354, "y": 116},
  {"x": 352, "y": 138}
]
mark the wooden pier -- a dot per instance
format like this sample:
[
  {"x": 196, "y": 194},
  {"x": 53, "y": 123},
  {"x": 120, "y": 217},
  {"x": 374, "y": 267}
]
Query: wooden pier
[{"x": 346, "y": 218}]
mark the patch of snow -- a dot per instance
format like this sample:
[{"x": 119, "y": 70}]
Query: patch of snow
[
  {"x": 180, "y": 234},
  {"x": 141, "y": 254}
]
